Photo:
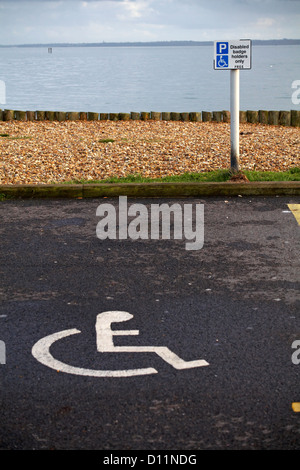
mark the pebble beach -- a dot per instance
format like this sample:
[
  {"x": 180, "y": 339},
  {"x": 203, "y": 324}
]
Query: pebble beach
[{"x": 44, "y": 152}]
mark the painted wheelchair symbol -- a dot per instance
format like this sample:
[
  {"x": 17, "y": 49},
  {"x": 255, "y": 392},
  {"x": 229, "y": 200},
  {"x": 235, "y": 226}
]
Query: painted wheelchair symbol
[{"x": 104, "y": 342}]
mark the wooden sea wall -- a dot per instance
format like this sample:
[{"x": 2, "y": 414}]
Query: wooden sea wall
[{"x": 281, "y": 118}]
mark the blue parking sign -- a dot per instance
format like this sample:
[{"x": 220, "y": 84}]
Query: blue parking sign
[
  {"x": 222, "y": 48},
  {"x": 235, "y": 54}
]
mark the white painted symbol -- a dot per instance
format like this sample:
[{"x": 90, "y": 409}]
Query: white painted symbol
[{"x": 104, "y": 342}]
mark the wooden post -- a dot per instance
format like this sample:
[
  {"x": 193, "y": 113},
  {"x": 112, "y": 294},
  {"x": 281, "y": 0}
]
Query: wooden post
[
  {"x": 114, "y": 117},
  {"x": 134, "y": 116},
  {"x": 263, "y": 116},
  {"x": 145, "y": 116},
  {"x": 206, "y": 116},
  {"x": 226, "y": 116},
  {"x": 124, "y": 116},
  {"x": 252, "y": 116},
  {"x": 195, "y": 117},
  {"x": 82, "y": 116},
  {"x": 273, "y": 118},
  {"x": 155, "y": 116},
  {"x": 60, "y": 116},
  {"x": 20, "y": 115},
  {"x": 184, "y": 117},
  {"x": 30, "y": 115},
  {"x": 175, "y": 116},
  {"x": 50, "y": 115},
  {"x": 217, "y": 116},
  {"x": 295, "y": 118},
  {"x": 243, "y": 116},
  {"x": 8, "y": 115},
  {"x": 73, "y": 116},
  {"x": 166, "y": 116},
  {"x": 284, "y": 118},
  {"x": 103, "y": 117},
  {"x": 40, "y": 115},
  {"x": 92, "y": 116}
]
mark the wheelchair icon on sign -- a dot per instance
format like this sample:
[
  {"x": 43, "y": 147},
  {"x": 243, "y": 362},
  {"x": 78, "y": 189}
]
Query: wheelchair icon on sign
[{"x": 222, "y": 61}]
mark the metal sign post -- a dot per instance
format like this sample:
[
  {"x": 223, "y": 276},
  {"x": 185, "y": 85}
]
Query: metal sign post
[
  {"x": 233, "y": 56},
  {"x": 235, "y": 119}
]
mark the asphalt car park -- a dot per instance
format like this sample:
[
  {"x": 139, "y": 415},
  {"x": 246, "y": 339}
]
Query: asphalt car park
[{"x": 135, "y": 344}]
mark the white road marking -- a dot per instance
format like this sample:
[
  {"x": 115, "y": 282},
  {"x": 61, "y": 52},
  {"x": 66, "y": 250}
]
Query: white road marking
[
  {"x": 104, "y": 342},
  {"x": 41, "y": 352}
]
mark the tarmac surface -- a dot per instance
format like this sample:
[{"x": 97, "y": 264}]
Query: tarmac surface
[{"x": 234, "y": 303}]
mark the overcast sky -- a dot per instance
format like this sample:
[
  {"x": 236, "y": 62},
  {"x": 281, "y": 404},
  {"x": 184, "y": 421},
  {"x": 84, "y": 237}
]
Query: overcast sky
[{"x": 52, "y": 21}]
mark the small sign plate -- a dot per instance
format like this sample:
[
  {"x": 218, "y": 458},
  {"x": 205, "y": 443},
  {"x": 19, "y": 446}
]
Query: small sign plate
[{"x": 233, "y": 54}]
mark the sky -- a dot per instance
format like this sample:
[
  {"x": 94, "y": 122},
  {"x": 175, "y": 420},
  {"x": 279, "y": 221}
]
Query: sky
[{"x": 86, "y": 21}]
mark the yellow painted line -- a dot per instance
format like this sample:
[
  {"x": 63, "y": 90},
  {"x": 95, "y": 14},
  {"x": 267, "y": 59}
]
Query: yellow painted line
[
  {"x": 295, "y": 208},
  {"x": 296, "y": 407}
]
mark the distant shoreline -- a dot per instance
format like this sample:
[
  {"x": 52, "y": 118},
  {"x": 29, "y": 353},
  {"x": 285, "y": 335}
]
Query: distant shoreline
[{"x": 255, "y": 42}]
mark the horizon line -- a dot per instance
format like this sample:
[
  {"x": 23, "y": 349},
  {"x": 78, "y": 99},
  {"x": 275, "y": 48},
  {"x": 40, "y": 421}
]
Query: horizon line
[{"x": 142, "y": 43}]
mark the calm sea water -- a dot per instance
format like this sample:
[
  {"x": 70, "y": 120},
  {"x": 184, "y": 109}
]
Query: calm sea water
[{"x": 125, "y": 79}]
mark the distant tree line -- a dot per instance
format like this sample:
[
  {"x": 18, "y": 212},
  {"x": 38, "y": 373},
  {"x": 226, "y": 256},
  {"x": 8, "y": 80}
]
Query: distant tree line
[{"x": 255, "y": 42}]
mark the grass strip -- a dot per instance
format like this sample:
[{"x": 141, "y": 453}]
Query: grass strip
[{"x": 218, "y": 176}]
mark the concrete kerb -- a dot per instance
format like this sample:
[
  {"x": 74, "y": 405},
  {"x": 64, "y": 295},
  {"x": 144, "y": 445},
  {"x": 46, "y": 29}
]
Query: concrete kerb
[{"x": 157, "y": 189}]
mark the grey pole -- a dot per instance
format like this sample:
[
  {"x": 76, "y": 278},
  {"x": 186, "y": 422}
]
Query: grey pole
[{"x": 234, "y": 117}]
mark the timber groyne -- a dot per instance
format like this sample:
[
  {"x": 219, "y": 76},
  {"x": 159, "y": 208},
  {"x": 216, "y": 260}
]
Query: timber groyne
[{"x": 281, "y": 118}]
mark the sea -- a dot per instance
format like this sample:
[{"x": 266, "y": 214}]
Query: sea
[{"x": 144, "y": 78}]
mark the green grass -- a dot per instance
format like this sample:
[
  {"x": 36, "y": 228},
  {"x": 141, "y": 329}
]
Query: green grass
[
  {"x": 106, "y": 141},
  {"x": 293, "y": 174},
  {"x": 16, "y": 137},
  {"x": 4, "y": 197},
  {"x": 209, "y": 177}
]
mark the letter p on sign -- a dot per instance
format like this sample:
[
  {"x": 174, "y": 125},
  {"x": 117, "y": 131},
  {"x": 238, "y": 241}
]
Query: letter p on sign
[{"x": 222, "y": 47}]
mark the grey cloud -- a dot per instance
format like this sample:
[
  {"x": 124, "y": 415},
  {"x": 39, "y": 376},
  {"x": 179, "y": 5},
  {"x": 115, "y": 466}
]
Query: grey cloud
[
  {"x": 62, "y": 1},
  {"x": 32, "y": 21}
]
